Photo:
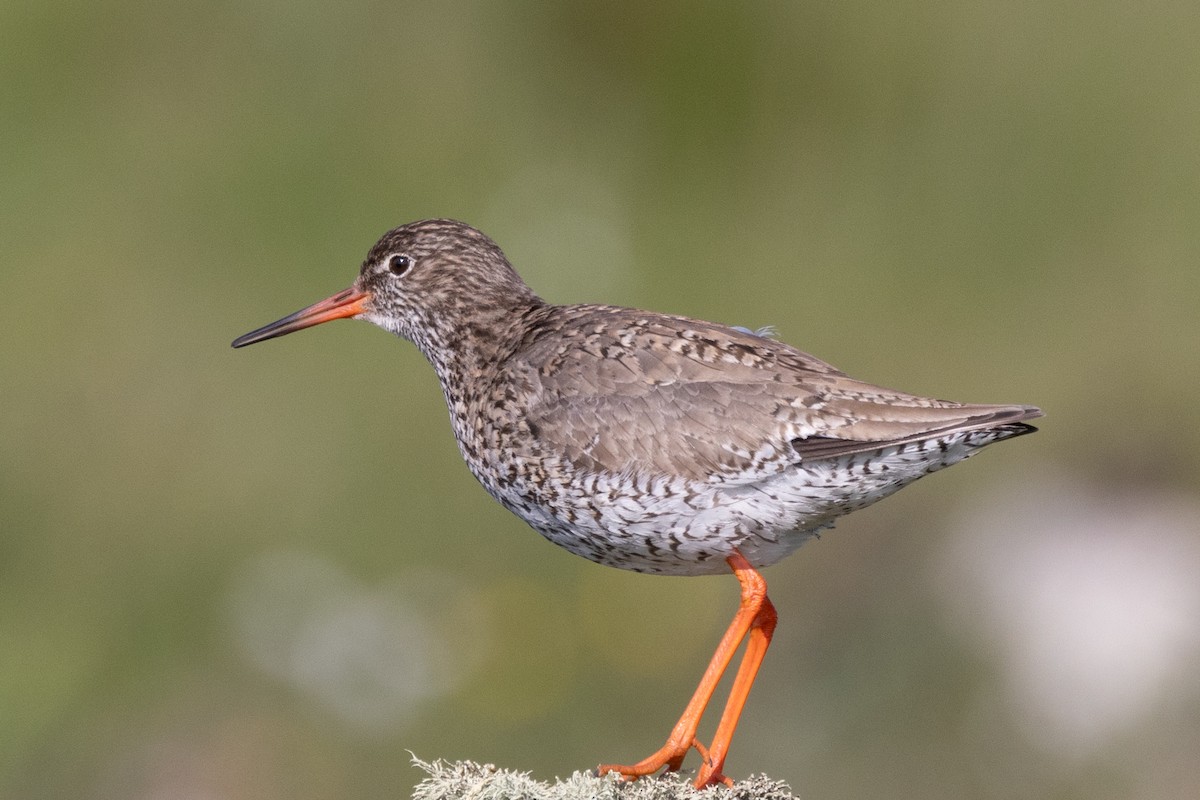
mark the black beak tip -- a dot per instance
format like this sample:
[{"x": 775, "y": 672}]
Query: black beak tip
[{"x": 267, "y": 332}]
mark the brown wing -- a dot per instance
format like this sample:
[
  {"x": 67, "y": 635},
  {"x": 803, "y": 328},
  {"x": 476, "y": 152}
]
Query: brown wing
[{"x": 624, "y": 390}]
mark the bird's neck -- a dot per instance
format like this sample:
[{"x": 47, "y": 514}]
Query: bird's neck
[{"x": 462, "y": 350}]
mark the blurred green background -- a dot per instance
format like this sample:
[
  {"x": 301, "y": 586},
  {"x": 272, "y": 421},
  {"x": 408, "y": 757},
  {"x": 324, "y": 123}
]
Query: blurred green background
[{"x": 266, "y": 573}]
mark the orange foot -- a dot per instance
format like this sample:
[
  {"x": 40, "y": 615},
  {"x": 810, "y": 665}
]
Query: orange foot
[
  {"x": 756, "y": 619},
  {"x": 670, "y": 755}
]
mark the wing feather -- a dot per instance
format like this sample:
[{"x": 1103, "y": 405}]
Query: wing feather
[{"x": 629, "y": 391}]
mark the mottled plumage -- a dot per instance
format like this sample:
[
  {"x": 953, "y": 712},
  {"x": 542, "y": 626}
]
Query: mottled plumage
[{"x": 646, "y": 441}]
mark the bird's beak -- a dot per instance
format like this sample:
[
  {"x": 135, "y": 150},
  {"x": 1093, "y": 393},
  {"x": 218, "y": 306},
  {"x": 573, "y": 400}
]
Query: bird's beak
[{"x": 348, "y": 303}]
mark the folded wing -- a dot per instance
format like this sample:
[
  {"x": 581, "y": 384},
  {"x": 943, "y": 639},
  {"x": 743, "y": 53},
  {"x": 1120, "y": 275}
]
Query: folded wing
[{"x": 625, "y": 391}]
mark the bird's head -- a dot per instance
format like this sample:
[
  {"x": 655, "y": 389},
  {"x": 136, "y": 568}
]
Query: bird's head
[{"x": 419, "y": 281}]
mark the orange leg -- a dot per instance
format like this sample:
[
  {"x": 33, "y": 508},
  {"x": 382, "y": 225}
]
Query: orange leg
[
  {"x": 755, "y": 616},
  {"x": 761, "y": 629}
]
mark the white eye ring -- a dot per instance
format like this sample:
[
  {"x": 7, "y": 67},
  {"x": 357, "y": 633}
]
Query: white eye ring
[{"x": 399, "y": 264}]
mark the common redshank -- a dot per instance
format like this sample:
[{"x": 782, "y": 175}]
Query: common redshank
[{"x": 650, "y": 442}]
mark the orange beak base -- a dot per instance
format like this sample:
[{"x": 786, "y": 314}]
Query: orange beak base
[{"x": 348, "y": 303}]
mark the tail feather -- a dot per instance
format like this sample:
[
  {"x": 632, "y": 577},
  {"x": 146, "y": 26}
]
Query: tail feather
[{"x": 1005, "y": 421}]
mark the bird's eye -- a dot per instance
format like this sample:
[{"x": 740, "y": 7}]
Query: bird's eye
[{"x": 398, "y": 265}]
